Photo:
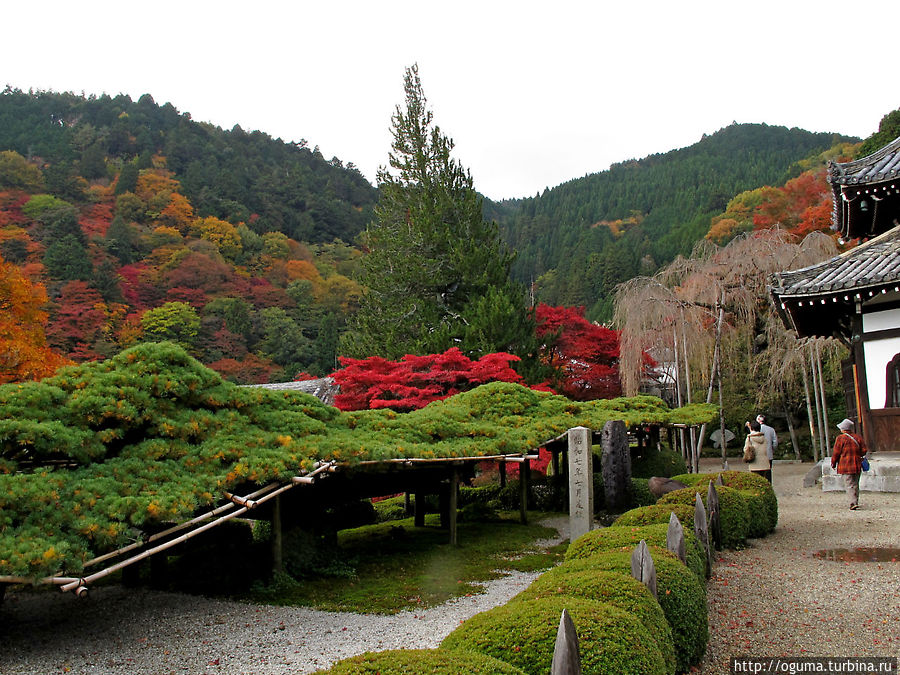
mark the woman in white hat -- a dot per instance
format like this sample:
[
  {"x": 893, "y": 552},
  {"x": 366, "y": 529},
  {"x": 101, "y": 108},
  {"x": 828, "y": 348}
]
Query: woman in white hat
[{"x": 846, "y": 459}]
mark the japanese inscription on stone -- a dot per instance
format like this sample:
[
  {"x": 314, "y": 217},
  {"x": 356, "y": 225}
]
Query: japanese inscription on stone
[{"x": 581, "y": 482}]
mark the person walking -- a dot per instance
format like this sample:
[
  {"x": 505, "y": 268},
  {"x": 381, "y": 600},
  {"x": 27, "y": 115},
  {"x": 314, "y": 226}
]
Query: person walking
[
  {"x": 846, "y": 459},
  {"x": 755, "y": 450},
  {"x": 772, "y": 440}
]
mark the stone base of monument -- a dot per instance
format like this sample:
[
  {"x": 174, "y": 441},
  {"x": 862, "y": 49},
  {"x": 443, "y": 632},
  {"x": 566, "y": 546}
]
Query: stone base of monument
[{"x": 883, "y": 474}]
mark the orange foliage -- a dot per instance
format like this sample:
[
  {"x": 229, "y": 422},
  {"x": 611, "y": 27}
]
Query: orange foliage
[
  {"x": 152, "y": 183},
  {"x": 178, "y": 213},
  {"x": 24, "y": 354},
  {"x": 301, "y": 269}
]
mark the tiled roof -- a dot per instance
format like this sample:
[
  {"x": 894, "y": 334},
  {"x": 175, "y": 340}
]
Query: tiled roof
[
  {"x": 874, "y": 263},
  {"x": 881, "y": 165}
]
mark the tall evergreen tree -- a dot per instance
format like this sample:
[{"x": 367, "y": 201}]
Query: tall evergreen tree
[{"x": 437, "y": 273}]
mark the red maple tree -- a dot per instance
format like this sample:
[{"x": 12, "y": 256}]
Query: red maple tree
[
  {"x": 415, "y": 381},
  {"x": 585, "y": 355}
]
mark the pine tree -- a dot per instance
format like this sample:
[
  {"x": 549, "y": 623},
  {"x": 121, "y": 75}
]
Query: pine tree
[{"x": 433, "y": 260}]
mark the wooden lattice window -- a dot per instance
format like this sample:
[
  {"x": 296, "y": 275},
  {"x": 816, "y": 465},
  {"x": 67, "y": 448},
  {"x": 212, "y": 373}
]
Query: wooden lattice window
[{"x": 892, "y": 399}]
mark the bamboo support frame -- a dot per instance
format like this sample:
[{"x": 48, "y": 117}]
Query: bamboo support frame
[{"x": 238, "y": 505}]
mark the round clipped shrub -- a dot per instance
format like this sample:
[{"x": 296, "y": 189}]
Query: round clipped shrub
[
  {"x": 658, "y": 513},
  {"x": 763, "y": 502},
  {"x": 734, "y": 516},
  {"x": 614, "y": 588},
  {"x": 664, "y": 463},
  {"x": 406, "y": 661},
  {"x": 523, "y": 634},
  {"x": 681, "y": 595},
  {"x": 640, "y": 492},
  {"x": 625, "y": 538}
]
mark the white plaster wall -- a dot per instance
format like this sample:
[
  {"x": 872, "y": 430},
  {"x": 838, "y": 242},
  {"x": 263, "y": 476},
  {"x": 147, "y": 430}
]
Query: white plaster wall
[
  {"x": 884, "y": 320},
  {"x": 878, "y": 353}
]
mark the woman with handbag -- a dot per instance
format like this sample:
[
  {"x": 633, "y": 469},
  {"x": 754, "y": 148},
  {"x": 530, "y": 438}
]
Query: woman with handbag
[
  {"x": 756, "y": 450},
  {"x": 847, "y": 460}
]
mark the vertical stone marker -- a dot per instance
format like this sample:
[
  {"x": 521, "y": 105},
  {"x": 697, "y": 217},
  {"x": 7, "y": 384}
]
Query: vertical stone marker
[
  {"x": 615, "y": 463},
  {"x": 581, "y": 483}
]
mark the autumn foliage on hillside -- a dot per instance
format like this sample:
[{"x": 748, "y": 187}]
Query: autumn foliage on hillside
[
  {"x": 415, "y": 381},
  {"x": 24, "y": 354}
]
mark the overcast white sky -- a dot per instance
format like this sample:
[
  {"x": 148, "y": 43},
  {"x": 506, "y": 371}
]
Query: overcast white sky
[{"x": 533, "y": 93}]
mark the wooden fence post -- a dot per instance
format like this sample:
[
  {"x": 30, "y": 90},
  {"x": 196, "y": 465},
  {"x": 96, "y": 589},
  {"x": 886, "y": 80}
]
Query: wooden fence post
[
  {"x": 675, "y": 537},
  {"x": 715, "y": 518},
  {"x": 642, "y": 567},
  {"x": 701, "y": 529},
  {"x": 566, "y": 659}
]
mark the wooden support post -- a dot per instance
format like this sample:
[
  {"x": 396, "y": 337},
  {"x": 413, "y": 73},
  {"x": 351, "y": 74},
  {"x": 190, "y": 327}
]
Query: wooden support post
[
  {"x": 419, "y": 519},
  {"x": 555, "y": 462},
  {"x": 407, "y": 506},
  {"x": 276, "y": 538},
  {"x": 444, "y": 505},
  {"x": 454, "y": 495},
  {"x": 502, "y": 474},
  {"x": 524, "y": 476}
]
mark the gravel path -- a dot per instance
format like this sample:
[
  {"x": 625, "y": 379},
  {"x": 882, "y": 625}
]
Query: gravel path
[
  {"x": 118, "y": 630},
  {"x": 775, "y": 599}
]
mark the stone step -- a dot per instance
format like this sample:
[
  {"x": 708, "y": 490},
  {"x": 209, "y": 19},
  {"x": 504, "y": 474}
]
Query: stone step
[{"x": 883, "y": 474}]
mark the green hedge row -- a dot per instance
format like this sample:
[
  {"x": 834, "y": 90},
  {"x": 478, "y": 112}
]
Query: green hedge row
[{"x": 621, "y": 628}]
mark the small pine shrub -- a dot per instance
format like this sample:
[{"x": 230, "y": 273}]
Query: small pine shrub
[
  {"x": 658, "y": 513},
  {"x": 407, "y": 661},
  {"x": 625, "y": 538},
  {"x": 523, "y": 634},
  {"x": 734, "y": 516},
  {"x": 614, "y": 588},
  {"x": 681, "y": 595},
  {"x": 666, "y": 463}
]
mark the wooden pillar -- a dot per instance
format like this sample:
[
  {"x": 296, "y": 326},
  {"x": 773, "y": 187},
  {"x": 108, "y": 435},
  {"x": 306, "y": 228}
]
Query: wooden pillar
[
  {"x": 554, "y": 459},
  {"x": 419, "y": 518},
  {"x": 276, "y": 538},
  {"x": 502, "y": 474},
  {"x": 454, "y": 497},
  {"x": 407, "y": 507},
  {"x": 524, "y": 477},
  {"x": 444, "y": 505}
]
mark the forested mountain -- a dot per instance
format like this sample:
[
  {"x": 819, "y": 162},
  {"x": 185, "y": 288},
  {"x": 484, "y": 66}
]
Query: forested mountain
[
  {"x": 234, "y": 175},
  {"x": 137, "y": 223},
  {"x": 579, "y": 240}
]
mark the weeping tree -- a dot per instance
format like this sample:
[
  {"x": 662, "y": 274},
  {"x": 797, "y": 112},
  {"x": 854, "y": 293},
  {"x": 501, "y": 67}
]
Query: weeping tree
[{"x": 709, "y": 316}]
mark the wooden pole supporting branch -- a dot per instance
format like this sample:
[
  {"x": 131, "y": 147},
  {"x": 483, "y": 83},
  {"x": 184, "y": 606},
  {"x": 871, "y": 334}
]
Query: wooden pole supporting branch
[
  {"x": 454, "y": 495},
  {"x": 502, "y": 474},
  {"x": 276, "y": 538},
  {"x": 524, "y": 476},
  {"x": 419, "y": 519}
]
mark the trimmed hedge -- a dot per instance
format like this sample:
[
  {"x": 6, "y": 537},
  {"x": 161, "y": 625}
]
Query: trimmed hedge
[
  {"x": 640, "y": 492},
  {"x": 436, "y": 661},
  {"x": 625, "y": 538},
  {"x": 614, "y": 588},
  {"x": 682, "y": 597},
  {"x": 657, "y": 513},
  {"x": 664, "y": 463},
  {"x": 734, "y": 507},
  {"x": 523, "y": 634},
  {"x": 759, "y": 493}
]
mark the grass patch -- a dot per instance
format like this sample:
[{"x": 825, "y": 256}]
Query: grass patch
[{"x": 400, "y": 566}]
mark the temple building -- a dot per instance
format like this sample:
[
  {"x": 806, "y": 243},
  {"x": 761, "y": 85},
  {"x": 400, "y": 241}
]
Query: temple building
[{"x": 855, "y": 296}]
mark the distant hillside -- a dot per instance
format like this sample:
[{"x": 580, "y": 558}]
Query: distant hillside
[
  {"x": 234, "y": 175},
  {"x": 580, "y": 239}
]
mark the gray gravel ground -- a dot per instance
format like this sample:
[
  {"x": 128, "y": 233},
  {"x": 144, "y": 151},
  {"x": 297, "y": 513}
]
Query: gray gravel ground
[
  {"x": 775, "y": 599},
  {"x": 117, "y": 630}
]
